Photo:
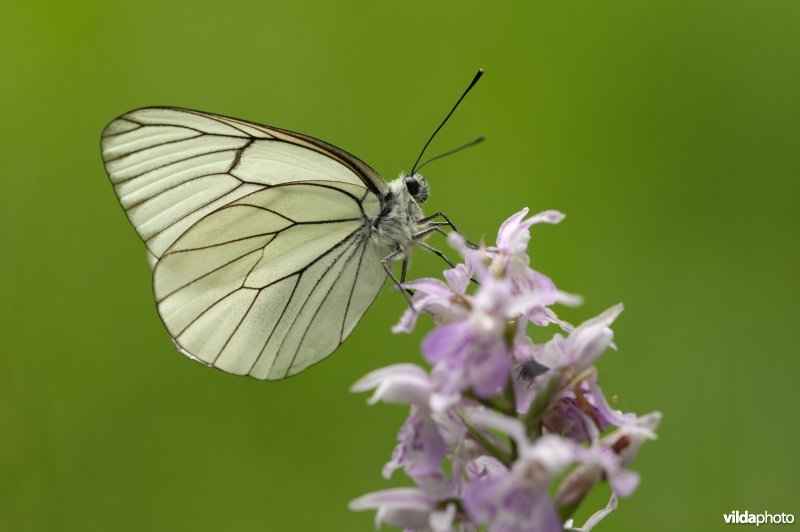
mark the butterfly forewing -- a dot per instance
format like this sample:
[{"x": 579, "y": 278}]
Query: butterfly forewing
[{"x": 261, "y": 236}]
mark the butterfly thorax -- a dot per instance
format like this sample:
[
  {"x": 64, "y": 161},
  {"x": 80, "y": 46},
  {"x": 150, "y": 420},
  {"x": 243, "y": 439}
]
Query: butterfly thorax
[{"x": 399, "y": 220}]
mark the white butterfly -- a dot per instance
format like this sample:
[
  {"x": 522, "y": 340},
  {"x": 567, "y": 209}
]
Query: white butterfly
[{"x": 268, "y": 246}]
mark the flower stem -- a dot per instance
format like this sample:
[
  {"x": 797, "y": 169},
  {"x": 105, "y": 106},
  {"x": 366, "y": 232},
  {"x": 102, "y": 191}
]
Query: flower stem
[
  {"x": 510, "y": 398},
  {"x": 568, "y": 510},
  {"x": 535, "y": 416},
  {"x": 501, "y": 454},
  {"x": 498, "y": 402}
]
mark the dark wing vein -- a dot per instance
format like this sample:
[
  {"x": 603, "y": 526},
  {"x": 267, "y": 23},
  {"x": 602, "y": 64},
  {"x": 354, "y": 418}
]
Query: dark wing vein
[
  {"x": 240, "y": 239},
  {"x": 305, "y": 300},
  {"x": 206, "y": 204},
  {"x": 118, "y": 133},
  {"x": 157, "y": 145},
  {"x": 176, "y": 185},
  {"x": 241, "y": 320},
  {"x": 371, "y": 179},
  {"x": 278, "y": 321},
  {"x": 205, "y": 153},
  {"x": 352, "y": 289},
  {"x": 216, "y": 119},
  {"x": 244, "y": 316},
  {"x": 203, "y": 313},
  {"x": 324, "y": 299},
  {"x": 238, "y": 157},
  {"x": 218, "y": 268}
]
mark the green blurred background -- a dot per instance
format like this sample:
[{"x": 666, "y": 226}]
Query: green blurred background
[{"x": 667, "y": 131}]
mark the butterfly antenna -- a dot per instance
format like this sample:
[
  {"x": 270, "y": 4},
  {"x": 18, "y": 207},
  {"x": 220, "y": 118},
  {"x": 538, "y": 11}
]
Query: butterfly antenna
[
  {"x": 472, "y": 84},
  {"x": 454, "y": 150}
]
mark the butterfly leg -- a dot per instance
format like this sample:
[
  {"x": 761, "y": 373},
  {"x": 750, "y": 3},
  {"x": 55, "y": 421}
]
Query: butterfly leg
[
  {"x": 442, "y": 215},
  {"x": 404, "y": 269},
  {"x": 432, "y": 228},
  {"x": 438, "y": 253},
  {"x": 423, "y": 245},
  {"x": 387, "y": 265},
  {"x": 447, "y": 222}
]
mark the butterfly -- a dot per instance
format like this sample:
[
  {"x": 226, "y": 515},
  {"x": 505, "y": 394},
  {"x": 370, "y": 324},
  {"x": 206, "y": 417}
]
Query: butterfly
[{"x": 267, "y": 246}]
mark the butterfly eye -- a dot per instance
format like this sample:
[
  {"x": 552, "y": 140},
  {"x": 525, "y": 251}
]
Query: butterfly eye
[{"x": 412, "y": 185}]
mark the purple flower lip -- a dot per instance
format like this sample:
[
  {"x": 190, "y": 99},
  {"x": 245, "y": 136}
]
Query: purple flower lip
[{"x": 420, "y": 449}]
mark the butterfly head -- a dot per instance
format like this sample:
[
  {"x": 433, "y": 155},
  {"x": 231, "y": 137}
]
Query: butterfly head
[{"x": 418, "y": 187}]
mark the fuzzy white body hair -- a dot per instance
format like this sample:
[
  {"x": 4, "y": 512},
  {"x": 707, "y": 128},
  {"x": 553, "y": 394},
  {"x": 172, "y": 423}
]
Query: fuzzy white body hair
[{"x": 400, "y": 217}]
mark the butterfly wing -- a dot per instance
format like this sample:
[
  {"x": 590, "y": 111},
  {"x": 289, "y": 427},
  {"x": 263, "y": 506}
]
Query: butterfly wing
[
  {"x": 170, "y": 167},
  {"x": 261, "y": 236}
]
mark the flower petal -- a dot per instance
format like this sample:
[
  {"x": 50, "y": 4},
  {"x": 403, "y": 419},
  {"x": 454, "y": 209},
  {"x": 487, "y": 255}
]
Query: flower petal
[
  {"x": 511, "y": 505},
  {"x": 442, "y": 520},
  {"x": 489, "y": 419},
  {"x": 458, "y": 278},
  {"x": 595, "y": 518},
  {"x": 420, "y": 449},
  {"x": 401, "y": 507},
  {"x": 398, "y": 383},
  {"x": 624, "y": 483}
]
